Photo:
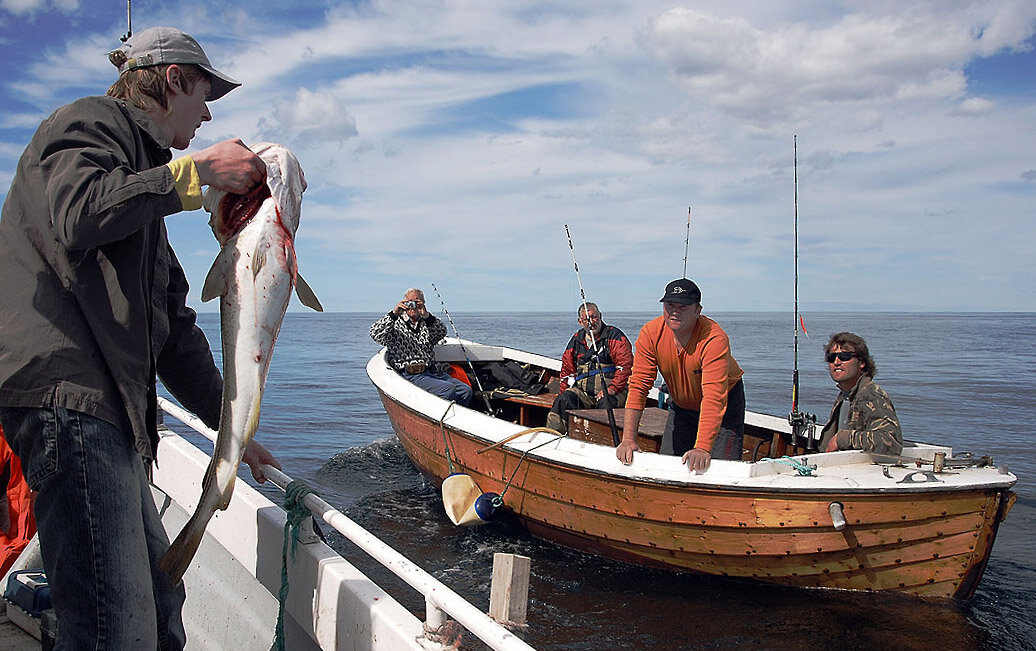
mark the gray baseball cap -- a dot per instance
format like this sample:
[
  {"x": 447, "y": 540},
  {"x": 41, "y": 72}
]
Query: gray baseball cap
[{"x": 160, "y": 45}]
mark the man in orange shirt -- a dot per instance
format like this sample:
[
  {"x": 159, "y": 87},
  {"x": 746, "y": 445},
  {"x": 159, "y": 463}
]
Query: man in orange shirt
[{"x": 708, "y": 395}]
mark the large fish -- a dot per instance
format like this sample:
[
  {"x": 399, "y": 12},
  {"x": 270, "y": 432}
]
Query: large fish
[{"x": 253, "y": 275}]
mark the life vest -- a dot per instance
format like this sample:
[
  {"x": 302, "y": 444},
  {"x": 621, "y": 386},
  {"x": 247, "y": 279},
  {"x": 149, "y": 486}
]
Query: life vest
[
  {"x": 457, "y": 372},
  {"x": 17, "y": 524},
  {"x": 590, "y": 368}
]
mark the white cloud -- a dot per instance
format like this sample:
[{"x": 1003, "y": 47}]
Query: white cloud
[
  {"x": 975, "y": 106},
  {"x": 776, "y": 75},
  {"x": 308, "y": 118},
  {"x": 430, "y": 155}
]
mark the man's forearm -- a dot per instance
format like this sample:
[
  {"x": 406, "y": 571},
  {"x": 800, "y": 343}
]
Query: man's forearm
[{"x": 631, "y": 424}]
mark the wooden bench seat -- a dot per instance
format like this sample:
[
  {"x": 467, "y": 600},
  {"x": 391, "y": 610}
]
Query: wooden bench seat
[
  {"x": 526, "y": 409},
  {"x": 592, "y": 425}
]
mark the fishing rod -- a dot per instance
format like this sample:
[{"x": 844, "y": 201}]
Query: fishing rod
[
  {"x": 687, "y": 242},
  {"x": 464, "y": 350},
  {"x": 802, "y": 424},
  {"x": 129, "y": 22},
  {"x": 616, "y": 439}
]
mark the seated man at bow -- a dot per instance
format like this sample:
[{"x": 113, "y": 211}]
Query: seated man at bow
[
  {"x": 410, "y": 334},
  {"x": 862, "y": 417},
  {"x": 594, "y": 369}
]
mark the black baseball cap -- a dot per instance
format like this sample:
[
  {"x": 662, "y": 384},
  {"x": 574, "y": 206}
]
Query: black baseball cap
[{"x": 681, "y": 291}]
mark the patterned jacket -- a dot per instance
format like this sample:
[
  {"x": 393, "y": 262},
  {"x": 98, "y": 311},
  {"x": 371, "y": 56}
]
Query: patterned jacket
[
  {"x": 873, "y": 424},
  {"x": 407, "y": 342}
]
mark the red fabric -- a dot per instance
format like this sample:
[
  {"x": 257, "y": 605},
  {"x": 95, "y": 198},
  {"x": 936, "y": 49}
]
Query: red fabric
[
  {"x": 457, "y": 371},
  {"x": 19, "y": 508}
]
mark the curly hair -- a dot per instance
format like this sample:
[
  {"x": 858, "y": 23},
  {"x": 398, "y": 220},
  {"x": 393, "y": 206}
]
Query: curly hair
[
  {"x": 855, "y": 343},
  {"x": 146, "y": 87}
]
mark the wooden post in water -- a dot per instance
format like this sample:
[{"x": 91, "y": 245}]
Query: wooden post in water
[{"x": 509, "y": 593}]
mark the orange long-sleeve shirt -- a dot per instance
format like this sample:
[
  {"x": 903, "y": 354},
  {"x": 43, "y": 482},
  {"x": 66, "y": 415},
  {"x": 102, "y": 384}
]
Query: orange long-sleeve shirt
[{"x": 698, "y": 376}]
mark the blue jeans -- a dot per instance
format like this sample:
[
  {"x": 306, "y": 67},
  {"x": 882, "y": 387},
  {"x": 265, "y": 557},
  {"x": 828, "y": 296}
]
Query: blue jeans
[
  {"x": 100, "y": 533},
  {"x": 443, "y": 385},
  {"x": 681, "y": 429}
]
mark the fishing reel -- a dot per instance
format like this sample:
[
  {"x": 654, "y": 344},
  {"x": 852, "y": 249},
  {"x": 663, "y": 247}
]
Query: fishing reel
[{"x": 803, "y": 430}]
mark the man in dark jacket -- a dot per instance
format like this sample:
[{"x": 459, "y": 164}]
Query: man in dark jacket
[
  {"x": 93, "y": 309},
  {"x": 594, "y": 368},
  {"x": 862, "y": 417}
]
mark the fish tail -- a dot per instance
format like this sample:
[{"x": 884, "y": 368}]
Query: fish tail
[{"x": 180, "y": 554}]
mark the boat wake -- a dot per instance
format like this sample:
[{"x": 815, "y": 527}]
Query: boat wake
[{"x": 352, "y": 474}]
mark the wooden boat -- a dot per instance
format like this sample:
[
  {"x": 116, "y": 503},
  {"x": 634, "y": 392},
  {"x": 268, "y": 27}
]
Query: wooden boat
[{"x": 776, "y": 516}]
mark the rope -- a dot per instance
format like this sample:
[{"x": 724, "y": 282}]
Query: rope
[
  {"x": 803, "y": 469},
  {"x": 294, "y": 495},
  {"x": 520, "y": 461}
]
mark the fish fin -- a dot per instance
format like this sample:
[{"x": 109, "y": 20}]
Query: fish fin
[
  {"x": 258, "y": 258},
  {"x": 306, "y": 295},
  {"x": 224, "y": 501},
  {"x": 216, "y": 281}
]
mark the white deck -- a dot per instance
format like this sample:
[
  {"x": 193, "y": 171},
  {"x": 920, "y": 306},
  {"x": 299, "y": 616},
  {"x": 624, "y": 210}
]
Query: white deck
[{"x": 232, "y": 583}]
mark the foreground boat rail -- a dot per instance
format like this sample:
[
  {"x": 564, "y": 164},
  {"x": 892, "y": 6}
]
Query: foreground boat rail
[{"x": 440, "y": 600}]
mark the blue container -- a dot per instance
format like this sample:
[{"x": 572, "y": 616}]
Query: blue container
[{"x": 29, "y": 590}]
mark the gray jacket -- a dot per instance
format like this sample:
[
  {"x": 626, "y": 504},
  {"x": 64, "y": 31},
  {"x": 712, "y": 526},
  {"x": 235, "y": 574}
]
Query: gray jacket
[
  {"x": 93, "y": 305},
  {"x": 873, "y": 424}
]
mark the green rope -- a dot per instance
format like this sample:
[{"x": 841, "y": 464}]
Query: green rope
[
  {"x": 498, "y": 501},
  {"x": 801, "y": 468},
  {"x": 294, "y": 496}
]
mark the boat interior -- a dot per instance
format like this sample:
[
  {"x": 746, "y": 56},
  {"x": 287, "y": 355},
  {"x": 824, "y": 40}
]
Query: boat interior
[{"x": 521, "y": 387}]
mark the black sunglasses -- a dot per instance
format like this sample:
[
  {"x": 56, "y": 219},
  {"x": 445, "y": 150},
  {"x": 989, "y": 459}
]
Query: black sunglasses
[{"x": 844, "y": 355}]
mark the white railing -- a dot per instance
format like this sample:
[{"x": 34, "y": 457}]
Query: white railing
[{"x": 439, "y": 598}]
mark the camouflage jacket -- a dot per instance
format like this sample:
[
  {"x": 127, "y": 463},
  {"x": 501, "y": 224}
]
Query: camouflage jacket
[{"x": 873, "y": 424}]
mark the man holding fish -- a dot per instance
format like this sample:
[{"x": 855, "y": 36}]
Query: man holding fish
[{"x": 93, "y": 309}]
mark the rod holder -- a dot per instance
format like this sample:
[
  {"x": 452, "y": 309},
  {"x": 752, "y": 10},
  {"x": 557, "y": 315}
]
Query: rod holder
[
  {"x": 939, "y": 461},
  {"x": 837, "y": 515}
]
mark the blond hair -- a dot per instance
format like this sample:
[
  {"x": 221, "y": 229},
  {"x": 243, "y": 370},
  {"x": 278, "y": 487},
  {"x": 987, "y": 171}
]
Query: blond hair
[{"x": 146, "y": 88}]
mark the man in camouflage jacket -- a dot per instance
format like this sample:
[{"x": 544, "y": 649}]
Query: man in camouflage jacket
[{"x": 863, "y": 417}]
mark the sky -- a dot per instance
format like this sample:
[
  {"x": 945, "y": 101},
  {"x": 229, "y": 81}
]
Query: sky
[{"x": 449, "y": 143}]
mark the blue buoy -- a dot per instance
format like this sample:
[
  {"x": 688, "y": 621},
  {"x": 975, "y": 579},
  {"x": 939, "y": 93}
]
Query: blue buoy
[{"x": 487, "y": 505}]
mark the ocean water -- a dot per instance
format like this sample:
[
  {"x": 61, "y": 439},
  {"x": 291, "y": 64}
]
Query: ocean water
[{"x": 964, "y": 380}]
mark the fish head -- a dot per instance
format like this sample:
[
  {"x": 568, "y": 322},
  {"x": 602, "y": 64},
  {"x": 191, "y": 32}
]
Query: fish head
[{"x": 285, "y": 183}]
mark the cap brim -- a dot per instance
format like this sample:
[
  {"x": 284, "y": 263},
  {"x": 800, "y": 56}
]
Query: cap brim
[
  {"x": 221, "y": 84},
  {"x": 683, "y": 300}
]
